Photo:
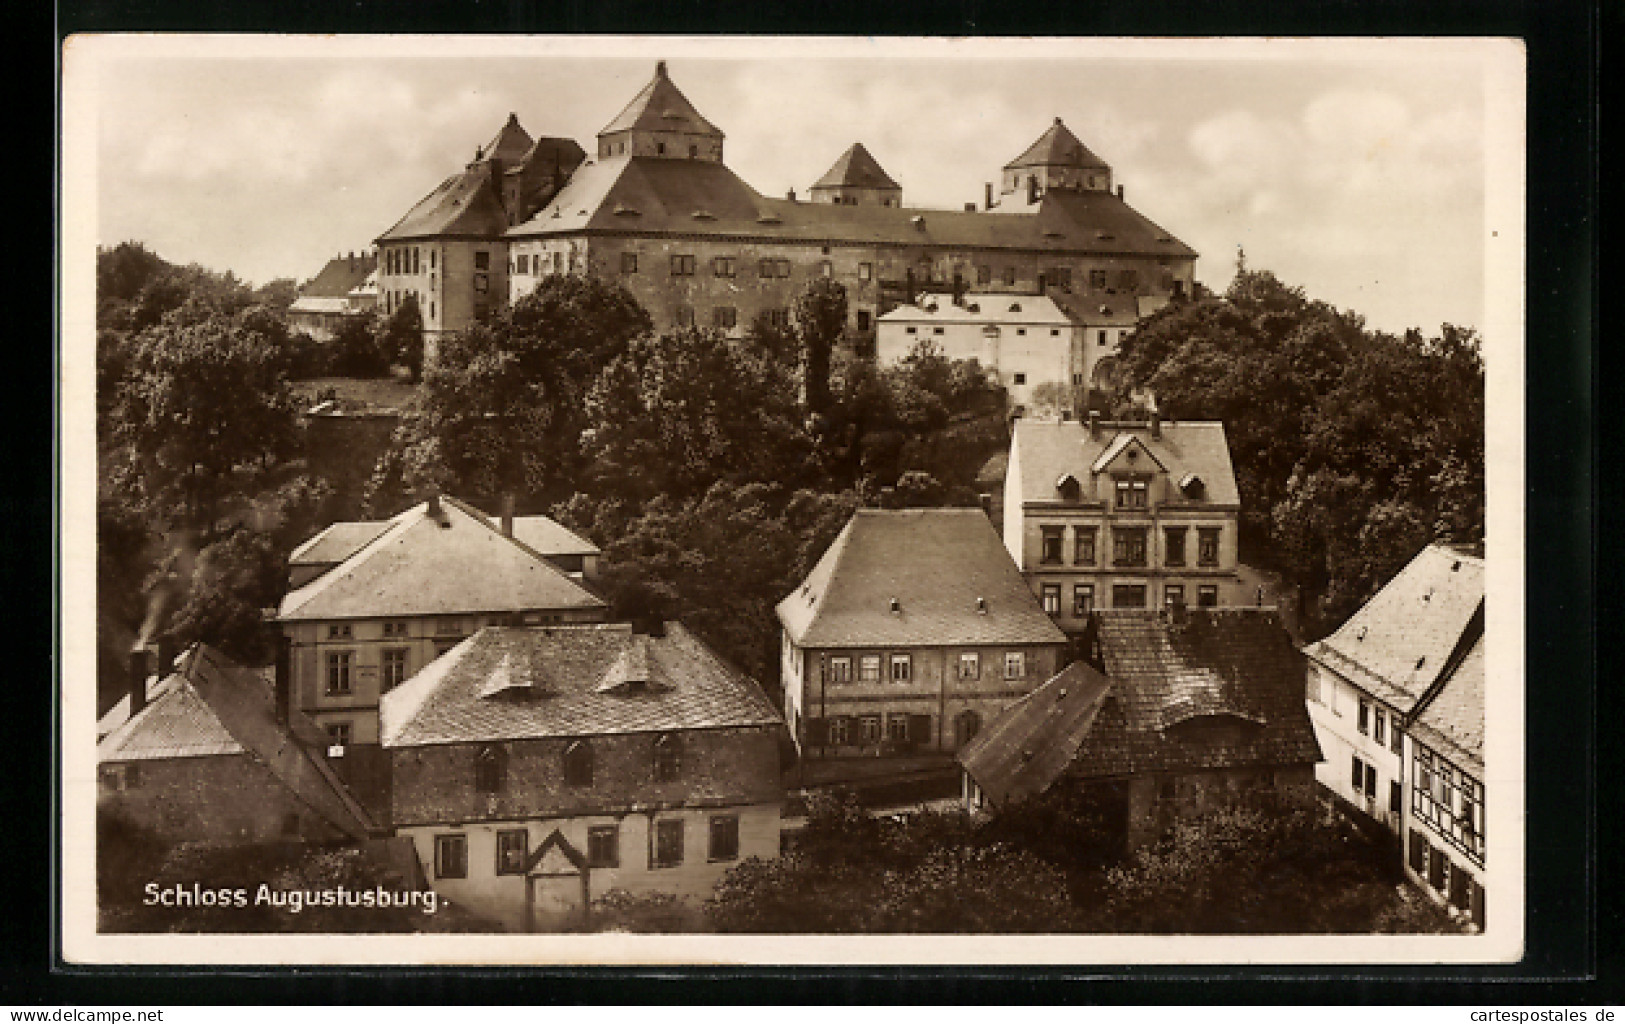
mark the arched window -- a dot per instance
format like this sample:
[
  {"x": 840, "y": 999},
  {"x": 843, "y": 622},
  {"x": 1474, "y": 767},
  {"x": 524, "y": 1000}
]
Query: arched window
[
  {"x": 668, "y": 758},
  {"x": 490, "y": 769},
  {"x": 966, "y": 726},
  {"x": 578, "y": 764}
]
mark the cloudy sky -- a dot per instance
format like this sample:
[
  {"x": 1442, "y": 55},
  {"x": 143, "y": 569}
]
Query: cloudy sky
[{"x": 1356, "y": 171}]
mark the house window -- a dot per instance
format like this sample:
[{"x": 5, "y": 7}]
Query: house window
[
  {"x": 1009, "y": 275},
  {"x": 1015, "y": 665},
  {"x": 513, "y": 849},
  {"x": 578, "y": 764},
  {"x": 1395, "y": 797},
  {"x": 693, "y": 150},
  {"x": 394, "y": 629},
  {"x": 1097, "y": 279},
  {"x": 1019, "y": 378},
  {"x": 1418, "y": 852},
  {"x": 863, "y": 319},
  {"x": 869, "y": 730},
  {"x": 1207, "y": 547},
  {"x": 1128, "y": 546},
  {"x": 1100, "y": 341},
  {"x": 668, "y": 851},
  {"x": 683, "y": 316},
  {"x": 1055, "y": 332},
  {"x": 724, "y": 837},
  {"x": 338, "y": 734},
  {"x": 394, "y": 667},
  {"x": 1173, "y": 546},
  {"x": 1207, "y": 596},
  {"x": 966, "y": 726},
  {"x": 1379, "y": 728},
  {"x": 902, "y": 668},
  {"x": 1460, "y": 882},
  {"x": 1083, "y": 599},
  {"x": 911, "y": 330},
  {"x": 1128, "y": 595},
  {"x": 451, "y": 856},
  {"x": 482, "y": 261},
  {"x": 338, "y": 673},
  {"x": 1357, "y": 779},
  {"x": 1077, "y": 379},
  {"x": 771, "y": 268},
  {"x": 490, "y": 768},
  {"x": 724, "y": 317},
  {"x": 1021, "y": 331},
  {"x": 558, "y": 263},
  {"x": 1060, "y": 277},
  {"x": 1052, "y": 599},
  {"x": 1438, "y": 869},
  {"x": 629, "y": 263},
  {"x": 1173, "y": 595},
  {"x": 897, "y": 728},
  {"x": 1083, "y": 545},
  {"x": 1131, "y": 493},
  {"x": 522, "y": 264},
  {"x": 937, "y": 330},
  {"x": 660, "y": 149},
  {"x": 667, "y": 759},
  {"x": 866, "y": 271},
  {"x": 970, "y": 665},
  {"x": 778, "y": 318},
  {"x": 682, "y": 266},
  {"x": 723, "y": 266},
  {"x": 339, "y": 631},
  {"x": 840, "y": 669},
  {"x": 869, "y": 668},
  {"x": 603, "y": 846},
  {"x": 1364, "y": 718},
  {"x": 1052, "y": 545},
  {"x": 1371, "y": 782},
  {"x": 840, "y": 731},
  {"x": 1397, "y": 739}
]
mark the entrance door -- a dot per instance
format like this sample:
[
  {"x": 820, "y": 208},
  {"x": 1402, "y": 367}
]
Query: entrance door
[{"x": 556, "y": 903}]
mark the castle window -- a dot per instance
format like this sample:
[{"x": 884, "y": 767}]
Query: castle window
[
  {"x": 1102, "y": 340},
  {"x": 693, "y": 151},
  {"x": 970, "y": 665},
  {"x": 683, "y": 316},
  {"x": 1097, "y": 279},
  {"x": 778, "y": 318},
  {"x": 1020, "y": 378},
  {"x": 682, "y": 266},
  {"x": 629, "y": 263},
  {"x": 1060, "y": 277},
  {"x": 1009, "y": 275},
  {"x": 869, "y": 668},
  {"x": 724, "y": 317},
  {"x": 723, "y": 266},
  {"x": 338, "y": 734},
  {"x": 660, "y": 149},
  {"x": 984, "y": 274},
  {"x": 1015, "y": 665},
  {"x": 482, "y": 260},
  {"x": 902, "y": 668}
]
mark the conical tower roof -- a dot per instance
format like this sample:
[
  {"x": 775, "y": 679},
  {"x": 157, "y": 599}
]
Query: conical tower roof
[
  {"x": 510, "y": 144},
  {"x": 856, "y": 169},
  {"x": 660, "y": 106},
  {"x": 1057, "y": 147}
]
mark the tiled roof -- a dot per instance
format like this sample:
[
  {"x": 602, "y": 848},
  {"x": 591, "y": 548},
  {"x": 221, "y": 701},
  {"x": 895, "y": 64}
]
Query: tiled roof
[
  {"x": 341, "y": 540},
  {"x": 341, "y": 274},
  {"x": 547, "y": 537},
  {"x": 660, "y": 107},
  {"x": 1029, "y": 745},
  {"x": 510, "y": 144},
  {"x": 213, "y": 706},
  {"x": 652, "y": 196},
  {"x": 1234, "y": 669},
  {"x": 1099, "y": 307},
  {"x": 981, "y": 308},
  {"x": 856, "y": 169},
  {"x": 1044, "y": 451},
  {"x": 553, "y": 685},
  {"x": 937, "y": 563},
  {"x": 466, "y": 203},
  {"x": 1057, "y": 146},
  {"x": 1396, "y": 645},
  {"x": 457, "y": 563},
  {"x": 1452, "y": 719}
]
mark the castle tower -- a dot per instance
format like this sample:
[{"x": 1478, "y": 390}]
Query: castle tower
[
  {"x": 661, "y": 122},
  {"x": 857, "y": 179},
  {"x": 1056, "y": 161}
]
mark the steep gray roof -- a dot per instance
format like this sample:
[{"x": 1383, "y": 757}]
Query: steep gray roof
[
  {"x": 856, "y": 169},
  {"x": 1044, "y": 451},
  {"x": 458, "y": 563},
  {"x": 509, "y": 683},
  {"x": 660, "y": 107},
  {"x": 1398, "y": 643},
  {"x": 1452, "y": 719},
  {"x": 339, "y": 541},
  {"x": 1056, "y": 147},
  {"x": 937, "y": 563},
  {"x": 465, "y": 203},
  {"x": 1029, "y": 744}
]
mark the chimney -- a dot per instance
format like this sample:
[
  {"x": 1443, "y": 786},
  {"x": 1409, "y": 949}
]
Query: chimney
[
  {"x": 1156, "y": 425},
  {"x": 434, "y": 510},
  {"x": 648, "y": 625},
  {"x": 138, "y": 680},
  {"x": 660, "y": 68},
  {"x": 987, "y": 195},
  {"x": 284, "y": 648},
  {"x": 1094, "y": 425},
  {"x": 507, "y": 515},
  {"x": 1119, "y": 191},
  {"x": 791, "y": 195}
]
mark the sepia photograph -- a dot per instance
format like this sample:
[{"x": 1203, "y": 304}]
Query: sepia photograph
[{"x": 772, "y": 500}]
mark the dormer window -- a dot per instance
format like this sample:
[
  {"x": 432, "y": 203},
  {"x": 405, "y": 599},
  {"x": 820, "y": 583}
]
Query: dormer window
[
  {"x": 1132, "y": 493},
  {"x": 1068, "y": 487}
]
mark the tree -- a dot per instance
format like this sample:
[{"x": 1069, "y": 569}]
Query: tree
[
  {"x": 503, "y": 409},
  {"x": 359, "y": 347},
  {"x": 820, "y": 318},
  {"x": 400, "y": 337},
  {"x": 679, "y": 412}
]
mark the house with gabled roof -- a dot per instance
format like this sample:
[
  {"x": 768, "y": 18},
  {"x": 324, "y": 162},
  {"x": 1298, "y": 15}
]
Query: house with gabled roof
[
  {"x": 1122, "y": 515},
  {"x": 911, "y": 631},
  {"x": 1397, "y": 697},
  {"x": 1171, "y": 712},
  {"x": 334, "y": 295},
  {"x": 537, "y": 768},
  {"x": 378, "y": 601},
  {"x": 209, "y": 756}
]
